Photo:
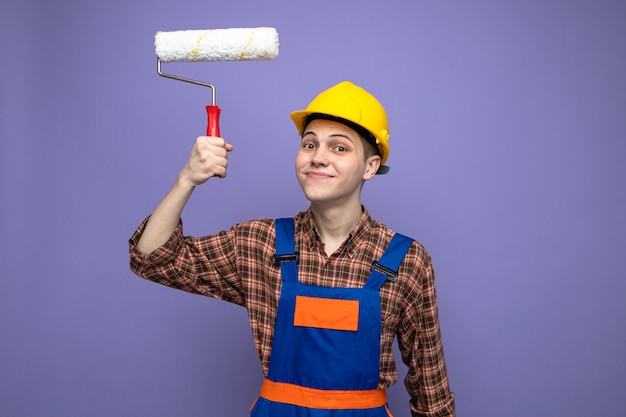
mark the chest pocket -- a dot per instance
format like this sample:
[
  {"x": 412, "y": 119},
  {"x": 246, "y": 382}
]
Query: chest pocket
[{"x": 326, "y": 313}]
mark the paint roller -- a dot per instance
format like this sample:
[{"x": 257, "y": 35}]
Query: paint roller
[{"x": 237, "y": 44}]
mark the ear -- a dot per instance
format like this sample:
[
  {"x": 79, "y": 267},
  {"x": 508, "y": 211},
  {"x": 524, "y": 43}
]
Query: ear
[{"x": 371, "y": 167}]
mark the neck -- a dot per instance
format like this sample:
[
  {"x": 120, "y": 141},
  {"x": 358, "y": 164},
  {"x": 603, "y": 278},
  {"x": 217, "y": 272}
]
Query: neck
[{"x": 335, "y": 224}]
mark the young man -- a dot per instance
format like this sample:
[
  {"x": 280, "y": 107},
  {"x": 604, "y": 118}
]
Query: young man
[{"x": 328, "y": 291}]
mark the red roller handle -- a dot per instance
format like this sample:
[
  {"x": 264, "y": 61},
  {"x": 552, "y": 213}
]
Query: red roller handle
[{"x": 213, "y": 120}]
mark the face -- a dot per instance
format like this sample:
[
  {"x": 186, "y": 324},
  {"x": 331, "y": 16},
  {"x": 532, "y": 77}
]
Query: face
[{"x": 331, "y": 164}]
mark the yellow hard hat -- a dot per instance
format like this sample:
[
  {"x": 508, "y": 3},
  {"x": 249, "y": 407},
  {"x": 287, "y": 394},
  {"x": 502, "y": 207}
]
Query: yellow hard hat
[{"x": 353, "y": 104}]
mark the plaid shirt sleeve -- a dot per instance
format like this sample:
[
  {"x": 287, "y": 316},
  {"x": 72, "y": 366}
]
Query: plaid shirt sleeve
[
  {"x": 232, "y": 265},
  {"x": 421, "y": 347},
  {"x": 204, "y": 266}
]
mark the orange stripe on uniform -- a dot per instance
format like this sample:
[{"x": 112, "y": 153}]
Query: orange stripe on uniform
[
  {"x": 326, "y": 313},
  {"x": 318, "y": 398}
]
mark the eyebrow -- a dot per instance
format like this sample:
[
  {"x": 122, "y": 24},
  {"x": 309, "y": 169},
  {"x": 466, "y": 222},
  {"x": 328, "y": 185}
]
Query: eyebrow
[{"x": 341, "y": 135}]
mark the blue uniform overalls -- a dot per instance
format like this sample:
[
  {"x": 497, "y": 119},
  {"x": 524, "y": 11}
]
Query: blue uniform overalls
[{"x": 325, "y": 356}]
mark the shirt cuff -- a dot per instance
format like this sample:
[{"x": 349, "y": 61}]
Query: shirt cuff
[{"x": 162, "y": 254}]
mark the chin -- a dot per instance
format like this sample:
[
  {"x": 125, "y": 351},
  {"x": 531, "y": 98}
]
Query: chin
[
  {"x": 317, "y": 194},
  {"x": 315, "y": 197}
]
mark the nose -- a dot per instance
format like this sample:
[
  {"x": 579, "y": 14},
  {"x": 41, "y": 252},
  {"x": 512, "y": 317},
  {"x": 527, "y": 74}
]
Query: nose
[{"x": 320, "y": 157}]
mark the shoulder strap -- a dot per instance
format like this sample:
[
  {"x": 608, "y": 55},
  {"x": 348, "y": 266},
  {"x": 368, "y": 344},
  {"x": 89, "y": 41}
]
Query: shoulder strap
[
  {"x": 387, "y": 267},
  {"x": 286, "y": 255}
]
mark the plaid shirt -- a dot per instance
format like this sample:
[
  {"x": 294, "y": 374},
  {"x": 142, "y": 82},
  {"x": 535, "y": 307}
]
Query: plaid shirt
[{"x": 235, "y": 266}]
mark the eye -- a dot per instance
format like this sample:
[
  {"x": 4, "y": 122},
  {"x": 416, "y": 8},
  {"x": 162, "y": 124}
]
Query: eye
[
  {"x": 340, "y": 148},
  {"x": 308, "y": 145}
]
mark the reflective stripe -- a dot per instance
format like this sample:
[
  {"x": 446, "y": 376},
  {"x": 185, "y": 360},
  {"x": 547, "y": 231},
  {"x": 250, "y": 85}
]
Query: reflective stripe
[
  {"x": 318, "y": 398},
  {"x": 326, "y": 313}
]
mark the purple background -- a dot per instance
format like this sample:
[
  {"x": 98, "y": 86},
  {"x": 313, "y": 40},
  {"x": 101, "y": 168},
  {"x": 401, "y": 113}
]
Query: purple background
[{"x": 508, "y": 146}]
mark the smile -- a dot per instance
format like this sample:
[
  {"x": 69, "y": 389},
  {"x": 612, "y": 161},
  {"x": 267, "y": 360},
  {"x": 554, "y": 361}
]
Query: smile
[{"x": 317, "y": 175}]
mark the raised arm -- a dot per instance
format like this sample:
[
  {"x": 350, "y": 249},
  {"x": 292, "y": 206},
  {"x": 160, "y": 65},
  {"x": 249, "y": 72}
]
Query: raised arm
[{"x": 208, "y": 158}]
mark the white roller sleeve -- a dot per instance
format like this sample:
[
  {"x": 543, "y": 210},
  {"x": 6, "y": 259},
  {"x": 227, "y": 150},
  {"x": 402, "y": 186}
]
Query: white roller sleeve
[{"x": 238, "y": 44}]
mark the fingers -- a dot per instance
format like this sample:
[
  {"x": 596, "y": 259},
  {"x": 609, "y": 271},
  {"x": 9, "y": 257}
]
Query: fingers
[
  {"x": 213, "y": 144},
  {"x": 208, "y": 158}
]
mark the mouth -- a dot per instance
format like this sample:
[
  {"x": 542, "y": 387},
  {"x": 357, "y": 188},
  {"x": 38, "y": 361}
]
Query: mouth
[{"x": 317, "y": 175}]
